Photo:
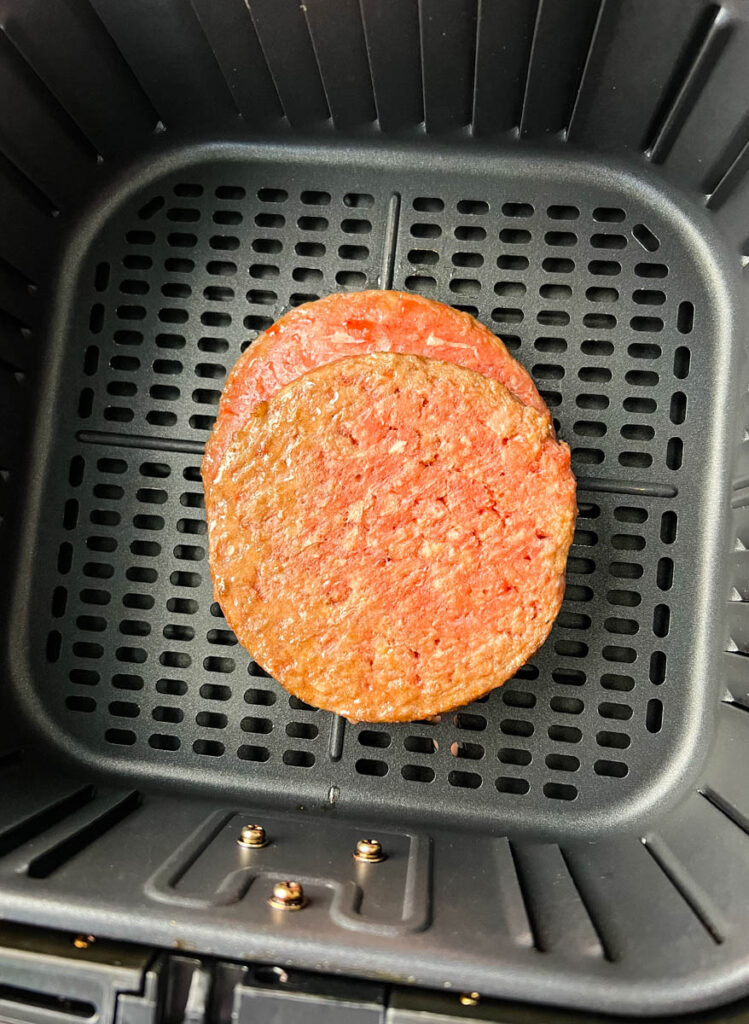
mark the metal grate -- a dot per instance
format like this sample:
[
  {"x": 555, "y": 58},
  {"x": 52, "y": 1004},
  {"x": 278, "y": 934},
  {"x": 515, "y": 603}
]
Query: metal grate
[{"x": 591, "y": 296}]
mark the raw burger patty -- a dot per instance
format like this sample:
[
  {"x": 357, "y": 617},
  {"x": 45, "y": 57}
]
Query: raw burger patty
[
  {"x": 353, "y": 324},
  {"x": 388, "y": 535}
]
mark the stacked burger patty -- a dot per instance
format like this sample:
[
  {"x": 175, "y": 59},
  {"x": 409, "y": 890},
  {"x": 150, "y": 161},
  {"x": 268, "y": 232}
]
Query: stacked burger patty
[{"x": 389, "y": 510}]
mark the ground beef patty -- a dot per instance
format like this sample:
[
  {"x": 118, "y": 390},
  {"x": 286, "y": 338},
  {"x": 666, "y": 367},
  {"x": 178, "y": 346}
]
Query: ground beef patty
[
  {"x": 353, "y": 324},
  {"x": 388, "y": 535}
]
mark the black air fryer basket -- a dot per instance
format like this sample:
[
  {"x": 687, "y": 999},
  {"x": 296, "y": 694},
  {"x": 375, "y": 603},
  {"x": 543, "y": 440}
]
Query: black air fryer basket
[{"x": 174, "y": 175}]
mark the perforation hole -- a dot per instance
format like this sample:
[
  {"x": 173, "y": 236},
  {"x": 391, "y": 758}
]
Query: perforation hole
[
  {"x": 517, "y": 209},
  {"x": 652, "y": 324},
  {"x": 358, "y": 200},
  {"x": 569, "y": 676},
  {"x": 509, "y": 288},
  {"x": 564, "y": 734},
  {"x": 469, "y": 751},
  {"x": 512, "y": 262},
  {"x": 250, "y": 752},
  {"x": 464, "y": 780},
  {"x": 555, "y": 291},
  {"x": 598, "y": 294},
  {"x": 467, "y": 259},
  {"x": 471, "y": 722},
  {"x": 423, "y": 257},
  {"x": 559, "y": 791},
  {"x": 558, "y": 265},
  {"x": 374, "y": 738},
  {"x": 260, "y": 698},
  {"x": 510, "y": 785},
  {"x": 641, "y": 378},
  {"x": 599, "y": 321},
  {"x": 514, "y": 236},
  {"x": 562, "y": 762},
  {"x": 171, "y": 687},
  {"x": 227, "y": 217},
  {"x": 601, "y": 240},
  {"x": 685, "y": 317},
  {"x": 351, "y": 279},
  {"x": 657, "y": 670},
  {"x": 465, "y": 286},
  {"x": 272, "y": 195},
  {"x": 299, "y": 298},
  {"x": 421, "y": 284},
  {"x": 163, "y": 741},
  {"x": 645, "y": 237},
  {"x": 556, "y": 345},
  {"x": 298, "y": 758},
  {"x": 514, "y": 755},
  {"x": 553, "y": 317},
  {"x": 351, "y": 226},
  {"x": 615, "y": 681},
  {"x": 420, "y": 744},
  {"x": 428, "y": 204},
  {"x": 608, "y": 214},
  {"x": 597, "y": 347},
  {"x": 611, "y": 769},
  {"x": 507, "y": 315},
  {"x": 560, "y": 238},
  {"x": 609, "y": 738},
  {"x": 474, "y": 207},
  {"x": 562, "y": 212},
  {"x": 264, "y": 271},
  {"x": 120, "y": 737},
  {"x": 417, "y": 773},
  {"x": 214, "y": 691},
  {"x": 427, "y": 230},
  {"x": 166, "y": 713},
  {"x": 369, "y": 766},
  {"x": 609, "y": 709},
  {"x": 302, "y": 730},
  {"x": 605, "y": 268},
  {"x": 464, "y": 233},
  {"x": 208, "y": 748}
]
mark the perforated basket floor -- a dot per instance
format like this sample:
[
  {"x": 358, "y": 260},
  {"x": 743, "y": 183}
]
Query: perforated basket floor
[{"x": 596, "y": 285}]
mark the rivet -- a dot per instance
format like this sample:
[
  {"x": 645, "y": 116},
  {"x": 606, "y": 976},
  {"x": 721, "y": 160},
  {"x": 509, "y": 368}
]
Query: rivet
[
  {"x": 470, "y": 999},
  {"x": 369, "y": 851},
  {"x": 253, "y": 836},
  {"x": 83, "y": 941},
  {"x": 287, "y": 896}
]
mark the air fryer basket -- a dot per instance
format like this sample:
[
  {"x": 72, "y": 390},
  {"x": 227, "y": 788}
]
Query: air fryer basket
[{"x": 174, "y": 176}]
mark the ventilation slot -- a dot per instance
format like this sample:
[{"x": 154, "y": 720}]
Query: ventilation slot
[{"x": 45, "y": 864}]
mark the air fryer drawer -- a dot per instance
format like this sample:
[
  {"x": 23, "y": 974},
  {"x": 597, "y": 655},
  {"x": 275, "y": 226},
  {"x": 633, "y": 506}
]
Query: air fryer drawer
[{"x": 174, "y": 176}]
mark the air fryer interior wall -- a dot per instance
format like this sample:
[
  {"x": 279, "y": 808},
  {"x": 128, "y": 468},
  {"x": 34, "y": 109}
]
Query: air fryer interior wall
[{"x": 172, "y": 178}]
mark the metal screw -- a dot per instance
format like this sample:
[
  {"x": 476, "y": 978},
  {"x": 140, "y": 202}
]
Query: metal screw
[
  {"x": 83, "y": 941},
  {"x": 369, "y": 851},
  {"x": 287, "y": 896},
  {"x": 253, "y": 836},
  {"x": 470, "y": 999}
]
